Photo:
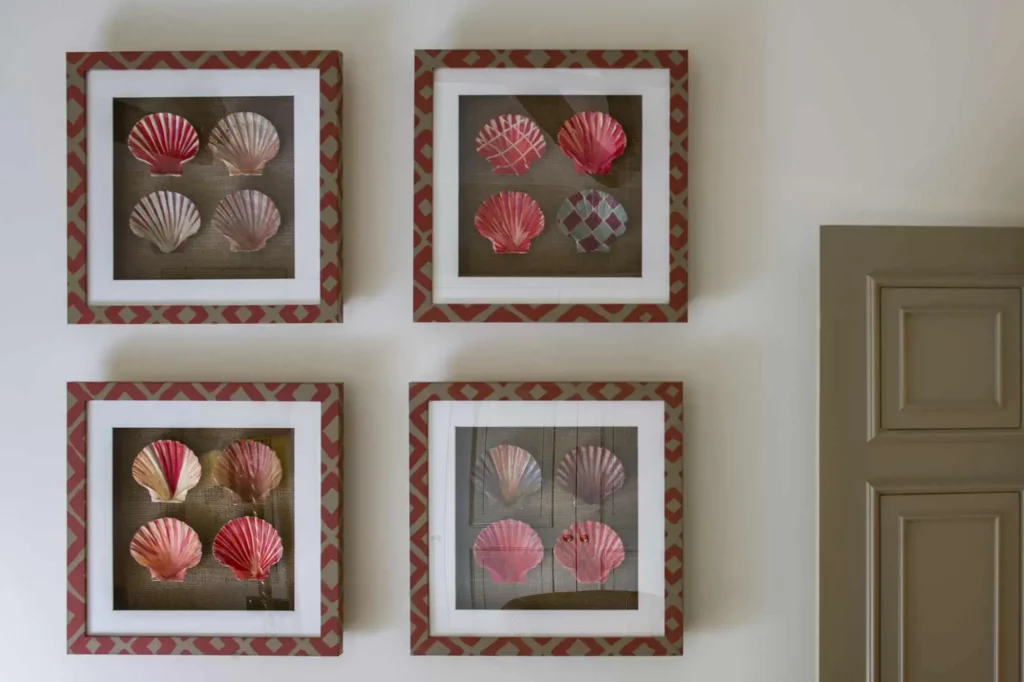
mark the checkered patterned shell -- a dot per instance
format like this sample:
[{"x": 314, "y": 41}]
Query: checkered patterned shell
[{"x": 593, "y": 218}]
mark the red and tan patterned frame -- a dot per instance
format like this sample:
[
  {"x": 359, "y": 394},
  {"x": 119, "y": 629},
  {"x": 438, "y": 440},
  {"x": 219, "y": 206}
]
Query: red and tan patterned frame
[
  {"x": 330, "y": 397},
  {"x": 329, "y": 309},
  {"x": 420, "y": 396},
  {"x": 424, "y": 308}
]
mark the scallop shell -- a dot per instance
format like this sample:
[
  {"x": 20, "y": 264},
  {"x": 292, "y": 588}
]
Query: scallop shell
[
  {"x": 593, "y": 218},
  {"x": 168, "y": 469},
  {"x": 510, "y": 220},
  {"x": 592, "y": 140},
  {"x": 591, "y": 473},
  {"x": 245, "y": 142},
  {"x": 165, "y": 218},
  {"x": 249, "y": 546},
  {"x": 590, "y": 550},
  {"x": 167, "y": 547},
  {"x": 164, "y": 142},
  {"x": 508, "y": 549},
  {"x": 510, "y": 143},
  {"x": 249, "y": 469},
  {"x": 247, "y": 218},
  {"x": 507, "y": 473}
]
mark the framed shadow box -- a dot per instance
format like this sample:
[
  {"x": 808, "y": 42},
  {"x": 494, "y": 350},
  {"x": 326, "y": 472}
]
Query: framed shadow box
[
  {"x": 546, "y": 519},
  {"x": 204, "y": 518},
  {"x": 550, "y": 186},
  {"x": 204, "y": 187}
]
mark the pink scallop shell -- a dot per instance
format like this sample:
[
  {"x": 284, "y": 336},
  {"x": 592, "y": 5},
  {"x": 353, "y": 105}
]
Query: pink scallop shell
[
  {"x": 591, "y": 473},
  {"x": 168, "y": 469},
  {"x": 510, "y": 220},
  {"x": 510, "y": 143},
  {"x": 507, "y": 473},
  {"x": 247, "y": 218},
  {"x": 590, "y": 550},
  {"x": 508, "y": 549},
  {"x": 166, "y": 219},
  {"x": 245, "y": 142},
  {"x": 167, "y": 547},
  {"x": 249, "y": 469},
  {"x": 592, "y": 139},
  {"x": 164, "y": 142},
  {"x": 249, "y": 546}
]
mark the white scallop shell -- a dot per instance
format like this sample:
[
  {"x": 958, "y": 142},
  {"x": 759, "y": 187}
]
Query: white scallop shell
[
  {"x": 167, "y": 469},
  {"x": 165, "y": 218},
  {"x": 507, "y": 473},
  {"x": 247, "y": 218},
  {"x": 245, "y": 142}
]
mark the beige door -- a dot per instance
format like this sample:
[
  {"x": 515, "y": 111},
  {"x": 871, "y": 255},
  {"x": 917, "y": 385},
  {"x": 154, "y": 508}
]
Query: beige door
[{"x": 922, "y": 454}]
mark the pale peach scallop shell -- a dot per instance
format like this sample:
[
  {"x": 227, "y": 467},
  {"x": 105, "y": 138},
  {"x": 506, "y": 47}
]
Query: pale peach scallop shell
[
  {"x": 249, "y": 469},
  {"x": 165, "y": 218},
  {"x": 247, "y": 219},
  {"x": 168, "y": 469},
  {"x": 167, "y": 547},
  {"x": 245, "y": 142},
  {"x": 248, "y": 546}
]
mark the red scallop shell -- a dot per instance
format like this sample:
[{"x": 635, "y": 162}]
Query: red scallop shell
[
  {"x": 592, "y": 139},
  {"x": 167, "y": 547},
  {"x": 508, "y": 549},
  {"x": 590, "y": 550},
  {"x": 510, "y": 143},
  {"x": 510, "y": 220},
  {"x": 249, "y": 546},
  {"x": 591, "y": 473},
  {"x": 164, "y": 142}
]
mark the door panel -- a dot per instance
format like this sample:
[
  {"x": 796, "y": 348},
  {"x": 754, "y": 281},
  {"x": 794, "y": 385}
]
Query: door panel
[
  {"x": 950, "y": 358},
  {"x": 949, "y": 587},
  {"x": 920, "y": 429}
]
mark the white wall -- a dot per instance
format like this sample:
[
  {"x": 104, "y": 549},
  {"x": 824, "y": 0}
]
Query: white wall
[{"x": 803, "y": 112}]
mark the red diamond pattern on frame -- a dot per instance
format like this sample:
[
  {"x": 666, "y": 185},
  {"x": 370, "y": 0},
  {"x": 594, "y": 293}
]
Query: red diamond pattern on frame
[
  {"x": 329, "y": 643},
  {"x": 426, "y": 61},
  {"x": 422, "y": 643},
  {"x": 329, "y": 308}
]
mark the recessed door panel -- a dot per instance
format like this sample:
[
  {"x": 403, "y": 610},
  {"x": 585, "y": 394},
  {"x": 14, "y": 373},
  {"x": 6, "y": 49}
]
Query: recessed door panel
[
  {"x": 950, "y": 358},
  {"x": 949, "y": 587}
]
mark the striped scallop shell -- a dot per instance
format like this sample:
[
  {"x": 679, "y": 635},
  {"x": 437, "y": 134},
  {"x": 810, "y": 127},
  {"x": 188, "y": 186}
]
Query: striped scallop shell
[
  {"x": 510, "y": 143},
  {"x": 249, "y": 546},
  {"x": 591, "y": 473},
  {"x": 592, "y": 140},
  {"x": 590, "y": 550},
  {"x": 167, "y": 547},
  {"x": 507, "y": 473},
  {"x": 164, "y": 142},
  {"x": 245, "y": 142},
  {"x": 247, "y": 218},
  {"x": 165, "y": 218},
  {"x": 510, "y": 220},
  {"x": 508, "y": 549},
  {"x": 249, "y": 469},
  {"x": 168, "y": 469}
]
